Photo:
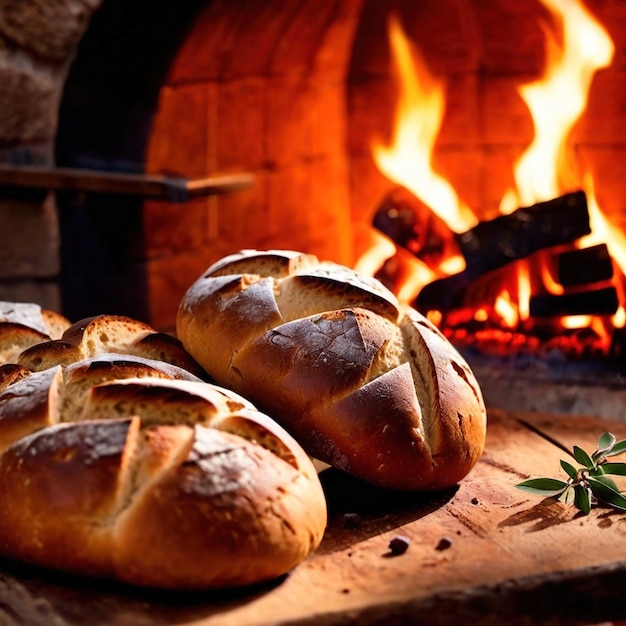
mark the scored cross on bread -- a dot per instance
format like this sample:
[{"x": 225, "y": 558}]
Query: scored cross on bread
[
  {"x": 137, "y": 470},
  {"x": 362, "y": 383}
]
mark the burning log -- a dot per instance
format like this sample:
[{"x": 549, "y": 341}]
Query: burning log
[
  {"x": 444, "y": 294},
  {"x": 595, "y": 302},
  {"x": 582, "y": 267},
  {"x": 617, "y": 350},
  {"x": 490, "y": 244},
  {"x": 455, "y": 292},
  {"x": 494, "y": 243},
  {"x": 411, "y": 225}
]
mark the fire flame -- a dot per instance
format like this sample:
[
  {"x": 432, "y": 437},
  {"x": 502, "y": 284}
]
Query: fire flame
[
  {"x": 408, "y": 161},
  {"x": 556, "y": 101}
]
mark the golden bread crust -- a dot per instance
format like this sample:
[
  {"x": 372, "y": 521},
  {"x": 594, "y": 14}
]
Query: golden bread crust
[
  {"x": 362, "y": 384},
  {"x": 39, "y": 339},
  {"x": 123, "y": 467}
]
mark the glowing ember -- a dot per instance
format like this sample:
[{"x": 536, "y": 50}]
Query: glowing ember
[{"x": 576, "y": 321}]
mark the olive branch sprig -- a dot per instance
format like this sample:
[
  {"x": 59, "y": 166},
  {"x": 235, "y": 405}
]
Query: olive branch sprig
[{"x": 591, "y": 483}]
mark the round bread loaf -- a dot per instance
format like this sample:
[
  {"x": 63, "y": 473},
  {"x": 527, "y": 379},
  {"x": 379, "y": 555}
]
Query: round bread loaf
[
  {"x": 134, "y": 469},
  {"x": 362, "y": 384}
]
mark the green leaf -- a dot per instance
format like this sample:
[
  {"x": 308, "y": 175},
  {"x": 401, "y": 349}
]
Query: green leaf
[
  {"x": 617, "y": 469},
  {"x": 607, "y": 480},
  {"x": 618, "y": 448},
  {"x": 582, "y": 457},
  {"x": 588, "y": 484},
  {"x": 607, "y": 494},
  {"x": 605, "y": 443},
  {"x": 582, "y": 498},
  {"x": 543, "y": 486},
  {"x": 570, "y": 470}
]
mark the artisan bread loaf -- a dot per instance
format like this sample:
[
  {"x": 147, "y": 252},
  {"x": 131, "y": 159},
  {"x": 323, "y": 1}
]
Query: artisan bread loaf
[
  {"x": 105, "y": 334},
  {"x": 24, "y": 324},
  {"x": 134, "y": 469},
  {"x": 362, "y": 384}
]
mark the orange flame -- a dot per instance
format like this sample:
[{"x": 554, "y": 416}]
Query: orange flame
[
  {"x": 507, "y": 310},
  {"x": 601, "y": 229},
  {"x": 557, "y": 100},
  {"x": 551, "y": 285},
  {"x": 524, "y": 289},
  {"x": 619, "y": 319},
  {"x": 576, "y": 48},
  {"x": 408, "y": 161},
  {"x": 381, "y": 248}
]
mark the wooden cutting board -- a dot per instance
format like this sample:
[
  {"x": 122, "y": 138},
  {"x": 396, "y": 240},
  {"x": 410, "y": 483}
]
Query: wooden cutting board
[{"x": 482, "y": 553}]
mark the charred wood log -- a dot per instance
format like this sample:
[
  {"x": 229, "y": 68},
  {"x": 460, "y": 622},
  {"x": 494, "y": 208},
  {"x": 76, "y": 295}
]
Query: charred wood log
[
  {"x": 412, "y": 225},
  {"x": 463, "y": 290},
  {"x": 617, "y": 350},
  {"x": 490, "y": 244},
  {"x": 494, "y": 243},
  {"x": 596, "y": 302},
  {"x": 582, "y": 267},
  {"x": 444, "y": 294},
  {"x": 456, "y": 292}
]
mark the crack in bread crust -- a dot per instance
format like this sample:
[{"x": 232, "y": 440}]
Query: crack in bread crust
[
  {"x": 315, "y": 346},
  {"x": 126, "y": 466}
]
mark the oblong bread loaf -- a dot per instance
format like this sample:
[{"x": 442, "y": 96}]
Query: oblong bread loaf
[{"x": 363, "y": 384}]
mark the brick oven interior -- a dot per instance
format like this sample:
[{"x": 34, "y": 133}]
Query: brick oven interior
[{"x": 292, "y": 93}]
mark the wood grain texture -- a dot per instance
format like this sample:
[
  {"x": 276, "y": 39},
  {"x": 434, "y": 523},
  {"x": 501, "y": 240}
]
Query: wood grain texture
[{"x": 506, "y": 558}]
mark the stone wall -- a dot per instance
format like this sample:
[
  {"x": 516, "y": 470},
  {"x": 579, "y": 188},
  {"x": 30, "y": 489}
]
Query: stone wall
[{"x": 38, "y": 39}]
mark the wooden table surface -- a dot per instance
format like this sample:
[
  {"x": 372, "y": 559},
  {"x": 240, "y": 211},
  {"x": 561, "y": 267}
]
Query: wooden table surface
[{"x": 511, "y": 558}]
